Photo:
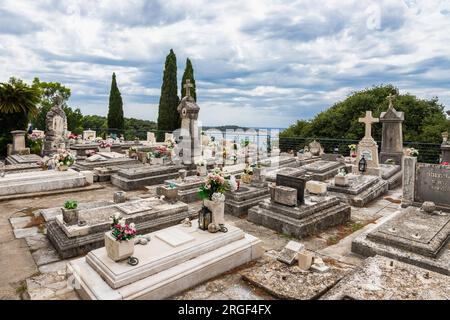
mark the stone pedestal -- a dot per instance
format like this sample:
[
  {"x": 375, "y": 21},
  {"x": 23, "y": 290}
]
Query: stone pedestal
[
  {"x": 18, "y": 145},
  {"x": 175, "y": 259},
  {"x": 445, "y": 148}
]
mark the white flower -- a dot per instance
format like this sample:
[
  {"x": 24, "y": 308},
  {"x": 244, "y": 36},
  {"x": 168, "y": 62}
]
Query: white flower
[
  {"x": 218, "y": 197},
  {"x": 117, "y": 216},
  {"x": 132, "y": 226},
  {"x": 233, "y": 183}
]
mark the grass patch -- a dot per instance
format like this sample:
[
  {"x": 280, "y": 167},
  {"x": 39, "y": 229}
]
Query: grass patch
[{"x": 332, "y": 240}]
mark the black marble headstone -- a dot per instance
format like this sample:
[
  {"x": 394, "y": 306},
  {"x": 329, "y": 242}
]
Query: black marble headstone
[{"x": 298, "y": 183}]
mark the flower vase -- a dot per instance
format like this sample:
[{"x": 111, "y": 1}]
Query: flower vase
[
  {"x": 353, "y": 153},
  {"x": 218, "y": 210},
  {"x": 118, "y": 250}
]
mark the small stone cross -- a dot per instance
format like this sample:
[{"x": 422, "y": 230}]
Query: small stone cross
[
  {"x": 391, "y": 97},
  {"x": 368, "y": 120},
  {"x": 188, "y": 87}
]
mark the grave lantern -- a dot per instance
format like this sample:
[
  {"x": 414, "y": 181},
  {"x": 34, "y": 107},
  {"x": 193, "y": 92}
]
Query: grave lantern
[
  {"x": 204, "y": 218},
  {"x": 362, "y": 164}
]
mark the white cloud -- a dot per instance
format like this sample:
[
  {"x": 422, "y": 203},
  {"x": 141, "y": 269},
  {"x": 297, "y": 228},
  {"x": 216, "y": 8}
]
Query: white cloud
[{"x": 256, "y": 62}]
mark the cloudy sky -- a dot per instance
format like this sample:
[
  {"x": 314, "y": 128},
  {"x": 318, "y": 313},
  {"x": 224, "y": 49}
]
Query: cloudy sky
[{"x": 257, "y": 63}]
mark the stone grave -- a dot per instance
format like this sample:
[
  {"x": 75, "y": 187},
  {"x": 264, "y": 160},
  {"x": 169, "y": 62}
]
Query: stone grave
[
  {"x": 18, "y": 144},
  {"x": 322, "y": 170},
  {"x": 290, "y": 212},
  {"x": 279, "y": 162},
  {"x": 392, "y": 173},
  {"x": 148, "y": 214},
  {"x": 392, "y": 134},
  {"x": 107, "y": 164},
  {"x": 360, "y": 189},
  {"x": 418, "y": 234},
  {"x": 271, "y": 175},
  {"x": 187, "y": 188},
  {"x": 135, "y": 178},
  {"x": 166, "y": 266},
  {"x": 41, "y": 181},
  {"x": 24, "y": 160}
]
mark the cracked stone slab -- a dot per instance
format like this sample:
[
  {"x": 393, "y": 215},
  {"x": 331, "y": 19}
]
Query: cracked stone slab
[
  {"x": 26, "y": 232},
  {"x": 290, "y": 282},
  {"x": 37, "y": 241},
  {"x": 381, "y": 278},
  {"x": 48, "y": 286},
  {"x": 20, "y": 222},
  {"x": 45, "y": 256}
]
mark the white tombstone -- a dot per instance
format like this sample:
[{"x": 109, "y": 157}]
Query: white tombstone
[
  {"x": 89, "y": 135},
  {"x": 168, "y": 136},
  {"x": 151, "y": 137}
]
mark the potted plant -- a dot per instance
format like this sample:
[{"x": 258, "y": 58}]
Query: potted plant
[
  {"x": 104, "y": 146},
  {"x": 411, "y": 152},
  {"x": 132, "y": 152},
  {"x": 158, "y": 154},
  {"x": 212, "y": 194},
  {"x": 341, "y": 179},
  {"x": 201, "y": 167},
  {"x": 170, "y": 192},
  {"x": 63, "y": 160},
  {"x": 119, "y": 243},
  {"x": 70, "y": 212},
  {"x": 352, "y": 148}
]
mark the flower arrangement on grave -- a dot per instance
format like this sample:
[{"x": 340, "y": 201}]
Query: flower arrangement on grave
[
  {"x": 342, "y": 172},
  {"x": 72, "y": 136},
  {"x": 159, "y": 152},
  {"x": 63, "y": 160},
  {"x": 216, "y": 183},
  {"x": 352, "y": 148},
  {"x": 411, "y": 152},
  {"x": 121, "y": 231},
  {"x": 248, "y": 173},
  {"x": 170, "y": 144},
  {"x": 132, "y": 152},
  {"x": 444, "y": 163},
  {"x": 105, "y": 144},
  {"x": 35, "y": 142}
]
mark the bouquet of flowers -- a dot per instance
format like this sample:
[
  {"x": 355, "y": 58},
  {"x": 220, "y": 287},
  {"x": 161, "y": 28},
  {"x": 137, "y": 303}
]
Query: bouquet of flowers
[
  {"x": 105, "y": 144},
  {"x": 120, "y": 230},
  {"x": 63, "y": 158},
  {"x": 248, "y": 170},
  {"x": 159, "y": 152},
  {"x": 411, "y": 152},
  {"x": 170, "y": 143},
  {"x": 444, "y": 163},
  {"x": 72, "y": 136},
  {"x": 352, "y": 147},
  {"x": 215, "y": 185}
]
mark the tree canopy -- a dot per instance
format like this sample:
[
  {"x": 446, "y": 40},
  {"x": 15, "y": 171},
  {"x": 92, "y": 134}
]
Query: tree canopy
[
  {"x": 168, "y": 117},
  {"x": 424, "y": 119}
]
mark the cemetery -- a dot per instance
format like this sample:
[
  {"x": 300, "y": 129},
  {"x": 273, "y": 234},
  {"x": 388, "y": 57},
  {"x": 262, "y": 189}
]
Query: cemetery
[{"x": 315, "y": 190}]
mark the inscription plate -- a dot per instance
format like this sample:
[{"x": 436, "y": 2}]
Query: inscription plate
[{"x": 433, "y": 184}]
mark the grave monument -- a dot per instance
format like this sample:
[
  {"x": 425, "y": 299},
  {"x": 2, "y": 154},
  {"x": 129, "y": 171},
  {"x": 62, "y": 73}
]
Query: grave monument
[
  {"x": 392, "y": 134},
  {"x": 368, "y": 148},
  {"x": 55, "y": 127}
]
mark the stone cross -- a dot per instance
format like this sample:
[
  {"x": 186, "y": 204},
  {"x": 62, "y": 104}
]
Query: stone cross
[
  {"x": 391, "y": 97},
  {"x": 368, "y": 120},
  {"x": 188, "y": 87}
]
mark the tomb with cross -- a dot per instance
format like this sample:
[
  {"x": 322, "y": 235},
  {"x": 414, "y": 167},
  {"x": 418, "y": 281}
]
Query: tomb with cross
[
  {"x": 368, "y": 147},
  {"x": 188, "y": 136}
]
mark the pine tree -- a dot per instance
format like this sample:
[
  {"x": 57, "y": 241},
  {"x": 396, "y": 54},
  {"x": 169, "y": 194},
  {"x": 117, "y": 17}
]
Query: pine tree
[
  {"x": 168, "y": 116},
  {"x": 116, "y": 121},
  {"x": 188, "y": 74}
]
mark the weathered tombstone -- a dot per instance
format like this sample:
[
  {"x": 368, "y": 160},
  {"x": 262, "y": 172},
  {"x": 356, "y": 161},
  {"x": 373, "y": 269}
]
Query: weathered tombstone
[
  {"x": 18, "y": 145},
  {"x": 290, "y": 252},
  {"x": 392, "y": 134},
  {"x": 297, "y": 183},
  {"x": 368, "y": 147},
  {"x": 56, "y": 126},
  {"x": 151, "y": 137},
  {"x": 188, "y": 136},
  {"x": 89, "y": 134},
  {"x": 315, "y": 148}
]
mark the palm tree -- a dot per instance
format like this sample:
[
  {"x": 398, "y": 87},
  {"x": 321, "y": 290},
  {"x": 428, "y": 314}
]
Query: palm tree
[{"x": 18, "y": 97}]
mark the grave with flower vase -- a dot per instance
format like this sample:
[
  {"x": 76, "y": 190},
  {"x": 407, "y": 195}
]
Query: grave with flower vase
[
  {"x": 419, "y": 233},
  {"x": 291, "y": 212},
  {"x": 238, "y": 202},
  {"x": 148, "y": 214},
  {"x": 175, "y": 259},
  {"x": 187, "y": 188}
]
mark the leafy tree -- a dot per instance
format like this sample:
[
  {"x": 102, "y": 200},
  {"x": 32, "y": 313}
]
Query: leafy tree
[
  {"x": 188, "y": 74},
  {"x": 168, "y": 117},
  {"x": 424, "y": 119},
  {"x": 115, "y": 110}
]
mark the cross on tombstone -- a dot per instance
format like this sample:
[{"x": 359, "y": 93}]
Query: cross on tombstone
[
  {"x": 368, "y": 120},
  {"x": 188, "y": 87},
  {"x": 391, "y": 97}
]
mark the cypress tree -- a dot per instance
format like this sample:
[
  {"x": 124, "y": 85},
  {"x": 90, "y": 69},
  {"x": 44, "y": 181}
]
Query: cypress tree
[
  {"x": 115, "y": 110},
  {"x": 168, "y": 117},
  {"x": 188, "y": 74}
]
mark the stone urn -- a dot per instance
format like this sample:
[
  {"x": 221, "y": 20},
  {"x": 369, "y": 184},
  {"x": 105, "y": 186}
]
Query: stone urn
[
  {"x": 341, "y": 181},
  {"x": 182, "y": 174},
  {"x": 118, "y": 250},
  {"x": 201, "y": 170},
  {"x": 70, "y": 216},
  {"x": 218, "y": 210},
  {"x": 170, "y": 194}
]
